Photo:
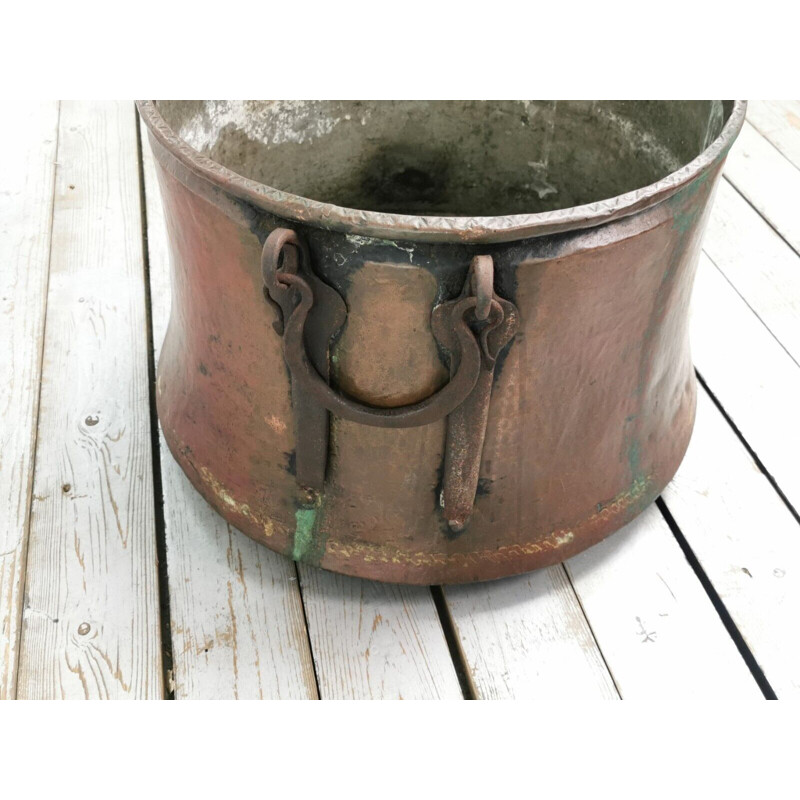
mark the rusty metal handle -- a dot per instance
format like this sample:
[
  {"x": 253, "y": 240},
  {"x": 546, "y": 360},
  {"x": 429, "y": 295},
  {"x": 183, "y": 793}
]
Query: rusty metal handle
[
  {"x": 473, "y": 328},
  {"x": 432, "y": 408}
]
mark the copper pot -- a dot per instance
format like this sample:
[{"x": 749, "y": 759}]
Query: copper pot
[{"x": 432, "y": 342}]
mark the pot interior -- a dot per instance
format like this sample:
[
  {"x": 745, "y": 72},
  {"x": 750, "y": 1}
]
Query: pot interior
[{"x": 450, "y": 158}]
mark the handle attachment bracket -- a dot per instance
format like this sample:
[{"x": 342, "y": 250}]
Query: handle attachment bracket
[{"x": 473, "y": 329}]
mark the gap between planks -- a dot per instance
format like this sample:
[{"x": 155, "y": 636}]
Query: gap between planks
[
  {"x": 768, "y": 180},
  {"x": 165, "y": 624},
  {"x": 779, "y": 122}
]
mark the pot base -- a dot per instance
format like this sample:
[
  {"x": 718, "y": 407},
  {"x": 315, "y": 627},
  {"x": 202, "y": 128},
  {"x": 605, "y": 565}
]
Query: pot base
[{"x": 346, "y": 554}]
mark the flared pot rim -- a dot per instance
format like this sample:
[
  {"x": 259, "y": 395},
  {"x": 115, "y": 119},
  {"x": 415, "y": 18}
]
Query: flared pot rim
[{"x": 466, "y": 230}]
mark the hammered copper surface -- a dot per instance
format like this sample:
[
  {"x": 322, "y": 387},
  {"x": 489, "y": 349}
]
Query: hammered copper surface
[{"x": 591, "y": 405}]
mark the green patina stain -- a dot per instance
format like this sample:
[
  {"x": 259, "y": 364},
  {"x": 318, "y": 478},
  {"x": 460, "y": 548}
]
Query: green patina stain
[
  {"x": 634, "y": 459},
  {"x": 694, "y": 187},
  {"x": 309, "y": 543},
  {"x": 303, "y": 532},
  {"x": 638, "y": 492},
  {"x": 685, "y": 219},
  {"x": 638, "y": 479}
]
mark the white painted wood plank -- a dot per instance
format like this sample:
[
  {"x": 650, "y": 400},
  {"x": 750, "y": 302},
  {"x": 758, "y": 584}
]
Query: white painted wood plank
[
  {"x": 27, "y": 169},
  {"x": 91, "y": 616},
  {"x": 659, "y": 632},
  {"x": 764, "y": 270},
  {"x": 236, "y": 614},
  {"x": 778, "y": 121},
  {"x": 754, "y": 378},
  {"x": 768, "y": 180},
  {"x": 526, "y": 638},
  {"x": 376, "y": 641},
  {"x": 747, "y": 542},
  {"x": 237, "y": 619}
]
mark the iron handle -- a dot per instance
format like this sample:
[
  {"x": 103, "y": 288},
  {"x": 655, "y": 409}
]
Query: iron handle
[
  {"x": 473, "y": 328},
  {"x": 432, "y": 408}
]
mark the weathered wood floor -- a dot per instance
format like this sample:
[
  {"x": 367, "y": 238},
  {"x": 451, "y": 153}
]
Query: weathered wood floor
[{"x": 118, "y": 581}]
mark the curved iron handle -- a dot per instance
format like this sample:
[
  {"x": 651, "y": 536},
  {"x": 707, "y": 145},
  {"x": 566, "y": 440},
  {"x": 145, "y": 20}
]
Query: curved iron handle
[
  {"x": 438, "y": 405},
  {"x": 473, "y": 329}
]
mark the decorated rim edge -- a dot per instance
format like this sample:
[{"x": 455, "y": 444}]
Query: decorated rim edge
[{"x": 433, "y": 228}]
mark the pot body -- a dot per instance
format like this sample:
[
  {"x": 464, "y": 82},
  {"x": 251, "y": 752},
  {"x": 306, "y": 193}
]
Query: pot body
[{"x": 592, "y": 402}]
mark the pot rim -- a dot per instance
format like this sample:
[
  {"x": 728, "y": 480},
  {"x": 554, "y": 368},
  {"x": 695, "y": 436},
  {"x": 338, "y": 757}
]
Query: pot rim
[{"x": 435, "y": 228}]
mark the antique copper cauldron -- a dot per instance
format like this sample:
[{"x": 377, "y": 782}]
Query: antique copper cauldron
[{"x": 432, "y": 342}]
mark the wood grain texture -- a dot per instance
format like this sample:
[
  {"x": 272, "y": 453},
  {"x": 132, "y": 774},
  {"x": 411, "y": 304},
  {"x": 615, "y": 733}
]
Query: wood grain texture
[
  {"x": 27, "y": 169},
  {"x": 526, "y": 637},
  {"x": 376, "y": 641},
  {"x": 747, "y": 542},
  {"x": 91, "y": 616},
  {"x": 237, "y": 620},
  {"x": 768, "y": 180},
  {"x": 779, "y": 122},
  {"x": 236, "y": 615},
  {"x": 659, "y": 633},
  {"x": 763, "y": 269},
  {"x": 750, "y": 373}
]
